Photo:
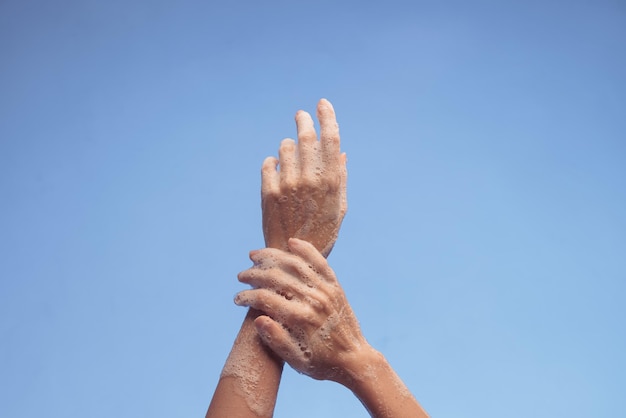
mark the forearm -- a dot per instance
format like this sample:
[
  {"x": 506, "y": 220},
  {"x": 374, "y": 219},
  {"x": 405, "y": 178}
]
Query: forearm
[
  {"x": 380, "y": 389},
  {"x": 250, "y": 378}
]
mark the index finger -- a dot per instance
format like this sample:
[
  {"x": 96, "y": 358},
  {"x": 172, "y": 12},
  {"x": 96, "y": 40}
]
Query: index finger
[{"x": 311, "y": 255}]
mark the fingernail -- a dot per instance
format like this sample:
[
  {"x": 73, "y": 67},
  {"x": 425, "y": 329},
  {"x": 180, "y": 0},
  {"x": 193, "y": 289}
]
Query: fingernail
[
  {"x": 261, "y": 325},
  {"x": 255, "y": 257},
  {"x": 238, "y": 300}
]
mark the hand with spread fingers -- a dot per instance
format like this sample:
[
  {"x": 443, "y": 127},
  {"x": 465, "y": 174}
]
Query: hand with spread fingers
[{"x": 303, "y": 192}]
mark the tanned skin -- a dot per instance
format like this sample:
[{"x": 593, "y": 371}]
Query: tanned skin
[
  {"x": 303, "y": 195},
  {"x": 299, "y": 313}
]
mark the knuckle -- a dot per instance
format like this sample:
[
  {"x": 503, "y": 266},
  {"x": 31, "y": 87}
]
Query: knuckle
[
  {"x": 269, "y": 193},
  {"x": 307, "y": 182},
  {"x": 332, "y": 183},
  {"x": 307, "y": 136},
  {"x": 316, "y": 302},
  {"x": 288, "y": 184},
  {"x": 269, "y": 164},
  {"x": 287, "y": 145}
]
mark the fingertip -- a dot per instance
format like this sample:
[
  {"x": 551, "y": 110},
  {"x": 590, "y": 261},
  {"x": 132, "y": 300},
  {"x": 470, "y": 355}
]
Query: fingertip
[
  {"x": 302, "y": 113},
  {"x": 325, "y": 102},
  {"x": 276, "y": 337},
  {"x": 262, "y": 322},
  {"x": 263, "y": 325},
  {"x": 295, "y": 243},
  {"x": 302, "y": 248},
  {"x": 269, "y": 175},
  {"x": 287, "y": 143},
  {"x": 238, "y": 299},
  {"x": 270, "y": 163}
]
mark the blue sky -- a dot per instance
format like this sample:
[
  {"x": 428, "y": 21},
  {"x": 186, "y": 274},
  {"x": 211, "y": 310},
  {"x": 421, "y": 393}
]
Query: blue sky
[{"x": 484, "y": 249}]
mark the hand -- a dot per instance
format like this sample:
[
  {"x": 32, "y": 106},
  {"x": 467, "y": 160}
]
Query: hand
[
  {"x": 306, "y": 197},
  {"x": 309, "y": 322}
]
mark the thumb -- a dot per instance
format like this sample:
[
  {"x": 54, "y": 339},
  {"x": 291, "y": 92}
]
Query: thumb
[{"x": 276, "y": 338}]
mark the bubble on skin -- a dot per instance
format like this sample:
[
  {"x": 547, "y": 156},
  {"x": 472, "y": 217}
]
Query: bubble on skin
[
  {"x": 301, "y": 356},
  {"x": 314, "y": 269},
  {"x": 332, "y": 321},
  {"x": 265, "y": 263},
  {"x": 371, "y": 373},
  {"x": 314, "y": 303},
  {"x": 310, "y": 206},
  {"x": 284, "y": 294},
  {"x": 246, "y": 369}
]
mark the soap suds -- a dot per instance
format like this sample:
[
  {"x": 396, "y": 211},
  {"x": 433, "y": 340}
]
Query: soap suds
[{"x": 246, "y": 369}]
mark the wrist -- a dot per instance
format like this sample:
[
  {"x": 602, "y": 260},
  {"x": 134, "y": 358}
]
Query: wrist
[
  {"x": 374, "y": 382},
  {"x": 358, "y": 366}
]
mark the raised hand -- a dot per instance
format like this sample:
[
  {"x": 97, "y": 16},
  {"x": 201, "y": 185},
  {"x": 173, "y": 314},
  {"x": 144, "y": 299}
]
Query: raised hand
[{"x": 303, "y": 192}]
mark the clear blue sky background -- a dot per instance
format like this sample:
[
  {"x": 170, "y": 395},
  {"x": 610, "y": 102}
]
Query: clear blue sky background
[{"x": 484, "y": 249}]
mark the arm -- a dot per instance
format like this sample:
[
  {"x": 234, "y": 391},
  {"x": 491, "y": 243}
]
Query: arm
[
  {"x": 305, "y": 198},
  {"x": 249, "y": 381},
  {"x": 310, "y": 324}
]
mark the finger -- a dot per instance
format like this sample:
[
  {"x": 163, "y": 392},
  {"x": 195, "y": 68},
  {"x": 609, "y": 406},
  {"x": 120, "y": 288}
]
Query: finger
[
  {"x": 286, "y": 262},
  {"x": 277, "y": 338},
  {"x": 284, "y": 284},
  {"x": 264, "y": 300},
  {"x": 307, "y": 145},
  {"x": 329, "y": 138},
  {"x": 258, "y": 257},
  {"x": 269, "y": 177},
  {"x": 267, "y": 257},
  {"x": 343, "y": 184},
  {"x": 275, "y": 305},
  {"x": 311, "y": 255},
  {"x": 289, "y": 170}
]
